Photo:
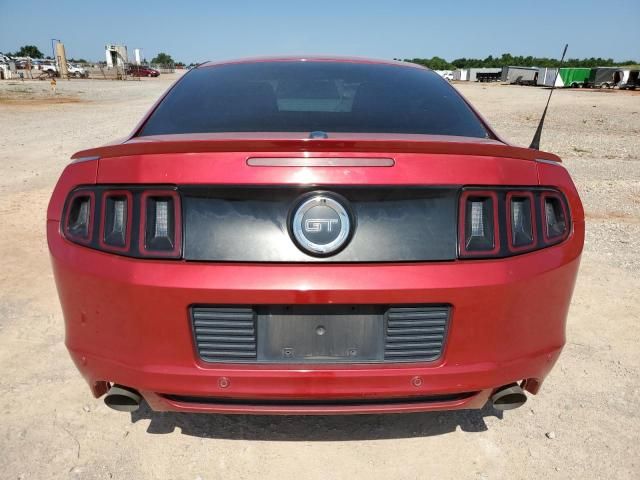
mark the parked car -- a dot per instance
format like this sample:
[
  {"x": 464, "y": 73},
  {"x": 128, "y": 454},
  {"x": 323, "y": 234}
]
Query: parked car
[
  {"x": 49, "y": 68},
  {"x": 314, "y": 236},
  {"x": 77, "y": 71},
  {"x": 74, "y": 70},
  {"x": 142, "y": 71}
]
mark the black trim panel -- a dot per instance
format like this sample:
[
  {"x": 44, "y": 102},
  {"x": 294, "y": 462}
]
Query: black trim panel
[
  {"x": 252, "y": 224},
  {"x": 319, "y": 334}
]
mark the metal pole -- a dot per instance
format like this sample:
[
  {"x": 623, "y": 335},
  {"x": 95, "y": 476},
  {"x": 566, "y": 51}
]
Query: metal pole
[{"x": 53, "y": 48}]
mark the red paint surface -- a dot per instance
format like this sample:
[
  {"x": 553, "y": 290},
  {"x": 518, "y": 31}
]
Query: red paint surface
[{"x": 128, "y": 318}]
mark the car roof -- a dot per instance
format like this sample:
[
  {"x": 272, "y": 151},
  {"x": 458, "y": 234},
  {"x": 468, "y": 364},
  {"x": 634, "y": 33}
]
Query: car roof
[{"x": 311, "y": 58}]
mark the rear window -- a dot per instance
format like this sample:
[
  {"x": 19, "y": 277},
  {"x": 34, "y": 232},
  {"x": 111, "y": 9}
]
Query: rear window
[{"x": 302, "y": 96}]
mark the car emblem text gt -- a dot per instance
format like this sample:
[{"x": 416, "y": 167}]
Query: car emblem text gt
[
  {"x": 317, "y": 224},
  {"x": 321, "y": 224}
]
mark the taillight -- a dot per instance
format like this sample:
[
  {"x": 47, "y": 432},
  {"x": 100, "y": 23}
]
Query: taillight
[
  {"x": 555, "y": 217},
  {"x": 521, "y": 230},
  {"x": 78, "y": 225},
  {"x": 115, "y": 228},
  {"x": 136, "y": 221},
  {"x": 479, "y": 223},
  {"x": 160, "y": 233},
  {"x": 499, "y": 222}
]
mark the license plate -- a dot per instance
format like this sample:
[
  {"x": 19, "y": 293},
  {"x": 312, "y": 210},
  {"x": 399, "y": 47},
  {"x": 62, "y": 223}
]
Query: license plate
[{"x": 315, "y": 334}]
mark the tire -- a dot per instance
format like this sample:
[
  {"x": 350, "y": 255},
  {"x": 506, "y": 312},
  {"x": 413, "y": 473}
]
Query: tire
[
  {"x": 77, "y": 75},
  {"x": 149, "y": 75}
]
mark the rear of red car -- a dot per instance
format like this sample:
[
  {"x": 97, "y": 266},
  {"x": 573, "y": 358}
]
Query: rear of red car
[
  {"x": 314, "y": 236},
  {"x": 142, "y": 71}
]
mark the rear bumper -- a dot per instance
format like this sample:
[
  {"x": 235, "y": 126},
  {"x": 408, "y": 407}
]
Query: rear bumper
[
  {"x": 127, "y": 322},
  {"x": 308, "y": 390}
]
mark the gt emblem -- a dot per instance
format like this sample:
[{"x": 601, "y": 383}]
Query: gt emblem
[
  {"x": 316, "y": 224},
  {"x": 320, "y": 224}
]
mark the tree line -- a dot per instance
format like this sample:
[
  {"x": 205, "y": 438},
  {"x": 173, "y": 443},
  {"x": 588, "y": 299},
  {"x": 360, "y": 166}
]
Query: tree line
[{"x": 506, "y": 59}]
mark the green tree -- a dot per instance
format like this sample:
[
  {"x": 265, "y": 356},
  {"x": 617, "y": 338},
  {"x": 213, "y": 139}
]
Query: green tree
[
  {"x": 29, "y": 51},
  {"x": 434, "y": 63},
  {"x": 437, "y": 63},
  {"x": 163, "y": 59}
]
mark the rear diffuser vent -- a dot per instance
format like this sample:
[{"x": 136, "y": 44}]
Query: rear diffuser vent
[
  {"x": 225, "y": 334},
  {"x": 415, "y": 333}
]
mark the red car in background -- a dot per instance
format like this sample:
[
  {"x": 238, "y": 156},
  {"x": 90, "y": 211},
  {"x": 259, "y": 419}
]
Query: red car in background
[
  {"x": 314, "y": 236},
  {"x": 141, "y": 71}
]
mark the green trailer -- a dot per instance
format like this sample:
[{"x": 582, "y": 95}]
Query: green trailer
[
  {"x": 573, "y": 77},
  {"x": 568, "y": 76}
]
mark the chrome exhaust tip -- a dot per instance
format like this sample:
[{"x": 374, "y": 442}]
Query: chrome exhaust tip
[
  {"x": 122, "y": 399},
  {"x": 508, "y": 397}
]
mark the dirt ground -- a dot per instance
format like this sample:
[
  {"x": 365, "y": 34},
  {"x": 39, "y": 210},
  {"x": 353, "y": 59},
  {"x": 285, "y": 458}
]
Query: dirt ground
[{"x": 584, "y": 423}]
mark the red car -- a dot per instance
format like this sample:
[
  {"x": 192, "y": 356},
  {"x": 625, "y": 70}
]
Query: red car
[
  {"x": 314, "y": 236},
  {"x": 141, "y": 71}
]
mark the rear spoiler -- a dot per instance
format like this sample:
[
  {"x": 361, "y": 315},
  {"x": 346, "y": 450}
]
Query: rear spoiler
[{"x": 148, "y": 146}]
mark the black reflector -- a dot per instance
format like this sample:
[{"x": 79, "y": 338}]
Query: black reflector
[
  {"x": 160, "y": 224},
  {"x": 555, "y": 217},
  {"x": 521, "y": 227},
  {"x": 79, "y": 217},
  {"x": 115, "y": 221},
  {"x": 479, "y": 234}
]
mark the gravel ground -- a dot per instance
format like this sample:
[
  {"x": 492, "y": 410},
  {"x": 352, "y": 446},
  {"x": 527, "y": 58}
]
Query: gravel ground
[{"x": 584, "y": 423}]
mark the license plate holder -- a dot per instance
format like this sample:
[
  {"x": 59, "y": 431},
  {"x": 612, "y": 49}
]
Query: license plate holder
[{"x": 320, "y": 334}]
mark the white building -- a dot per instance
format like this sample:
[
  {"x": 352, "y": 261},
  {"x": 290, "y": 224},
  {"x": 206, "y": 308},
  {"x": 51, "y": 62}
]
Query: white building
[
  {"x": 116, "y": 55},
  {"x": 461, "y": 74}
]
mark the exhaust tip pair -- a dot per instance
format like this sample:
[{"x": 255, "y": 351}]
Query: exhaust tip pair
[{"x": 126, "y": 399}]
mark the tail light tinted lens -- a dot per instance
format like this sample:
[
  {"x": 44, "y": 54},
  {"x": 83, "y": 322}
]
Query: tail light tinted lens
[
  {"x": 79, "y": 218},
  {"x": 555, "y": 217},
  {"x": 116, "y": 218},
  {"x": 478, "y": 223},
  {"x": 160, "y": 233},
  {"x": 520, "y": 221}
]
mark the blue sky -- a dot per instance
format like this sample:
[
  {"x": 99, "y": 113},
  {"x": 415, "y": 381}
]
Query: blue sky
[{"x": 211, "y": 30}]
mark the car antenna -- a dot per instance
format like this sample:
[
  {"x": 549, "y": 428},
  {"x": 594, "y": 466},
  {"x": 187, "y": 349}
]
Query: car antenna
[{"x": 535, "y": 143}]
